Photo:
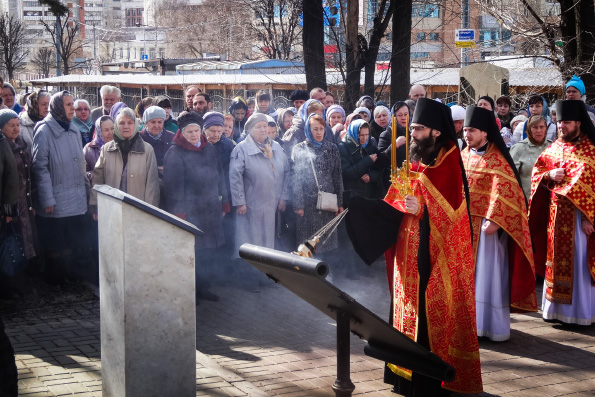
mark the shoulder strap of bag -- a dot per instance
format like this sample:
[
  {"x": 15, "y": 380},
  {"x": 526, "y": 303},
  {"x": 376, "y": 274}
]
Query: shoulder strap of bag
[{"x": 313, "y": 170}]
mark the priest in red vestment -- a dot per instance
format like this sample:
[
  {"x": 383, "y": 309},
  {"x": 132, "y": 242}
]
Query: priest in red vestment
[
  {"x": 426, "y": 238},
  {"x": 503, "y": 252},
  {"x": 561, "y": 216}
]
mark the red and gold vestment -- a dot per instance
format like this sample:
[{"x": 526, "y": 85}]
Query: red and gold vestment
[
  {"x": 495, "y": 194},
  {"x": 553, "y": 235},
  {"x": 450, "y": 293}
]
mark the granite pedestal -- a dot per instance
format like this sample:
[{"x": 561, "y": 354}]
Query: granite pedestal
[{"x": 147, "y": 292}]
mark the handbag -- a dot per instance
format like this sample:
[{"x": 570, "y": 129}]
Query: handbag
[
  {"x": 12, "y": 257},
  {"x": 326, "y": 201}
]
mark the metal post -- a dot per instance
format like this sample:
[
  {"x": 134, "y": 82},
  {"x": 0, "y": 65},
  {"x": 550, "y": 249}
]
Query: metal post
[
  {"x": 343, "y": 386},
  {"x": 94, "y": 42},
  {"x": 58, "y": 38}
]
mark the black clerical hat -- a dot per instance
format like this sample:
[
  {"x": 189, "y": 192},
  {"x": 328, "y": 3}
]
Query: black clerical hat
[
  {"x": 484, "y": 120},
  {"x": 575, "y": 110},
  {"x": 435, "y": 115}
]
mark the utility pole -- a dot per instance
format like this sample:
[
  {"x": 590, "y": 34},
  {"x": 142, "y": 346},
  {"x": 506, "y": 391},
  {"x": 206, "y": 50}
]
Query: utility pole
[
  {"x": 465, "y": 25},
  {"x": 94, "y": 42}
]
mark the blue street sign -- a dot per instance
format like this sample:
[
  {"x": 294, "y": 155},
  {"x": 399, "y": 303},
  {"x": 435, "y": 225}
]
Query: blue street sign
[{"x": 144, "y": 57}]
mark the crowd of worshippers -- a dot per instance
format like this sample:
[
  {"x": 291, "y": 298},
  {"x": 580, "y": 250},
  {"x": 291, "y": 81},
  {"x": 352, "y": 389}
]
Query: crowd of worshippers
[{"x": 252, "y": 175}]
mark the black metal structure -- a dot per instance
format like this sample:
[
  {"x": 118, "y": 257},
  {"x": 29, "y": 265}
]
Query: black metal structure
[{"x": 305, "y": 277}]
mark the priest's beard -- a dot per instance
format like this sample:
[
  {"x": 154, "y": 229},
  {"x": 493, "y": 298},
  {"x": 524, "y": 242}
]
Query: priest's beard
[
  {"x": 571, "y": 135},
  {"x": 424, "y": 150}
]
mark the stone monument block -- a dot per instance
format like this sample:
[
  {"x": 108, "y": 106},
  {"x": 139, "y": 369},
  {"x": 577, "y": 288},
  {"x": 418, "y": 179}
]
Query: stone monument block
[
  {"x": 147, "y": 298},
  {"x": 482, "y": 79}
]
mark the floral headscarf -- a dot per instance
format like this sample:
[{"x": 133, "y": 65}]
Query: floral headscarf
[
  {"x": 353, "y": 132},
  {"x": 33, "y": 104},
  {"x": 98, "y": 136}
]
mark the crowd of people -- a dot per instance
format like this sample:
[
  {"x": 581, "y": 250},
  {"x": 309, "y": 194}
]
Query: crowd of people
[{"x": 276, "y": 177}]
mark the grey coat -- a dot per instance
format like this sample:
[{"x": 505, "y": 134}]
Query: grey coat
[
  {"x": 26, "y": 126},
  {"x": 259, "y": 184},
  {"x": 59, "y": 169},
  {"x": 327, "y": 164},
  {"x": 525, "y": 154}
]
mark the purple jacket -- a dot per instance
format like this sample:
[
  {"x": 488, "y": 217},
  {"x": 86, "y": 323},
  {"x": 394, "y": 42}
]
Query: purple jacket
[{"x": 91, "y": 152}]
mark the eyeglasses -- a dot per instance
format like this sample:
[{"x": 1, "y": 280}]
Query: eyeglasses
[{"x": 417, "y": 128}]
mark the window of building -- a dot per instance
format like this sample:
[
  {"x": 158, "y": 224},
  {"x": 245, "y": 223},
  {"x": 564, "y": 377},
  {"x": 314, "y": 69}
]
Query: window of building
[
  {"x": 134, "y": 11},
  {"x": 152, "y": 53},
  {"x": 162, "y": 53},
  {"x": 425, "y": 11},
  {"x": 127, "y": 12},
  {"x": 420, "y": 55},
  {"x": 420, "y": 36},
  {"x": 434, "y": 37},
  {"x": 121, "y": 53}
]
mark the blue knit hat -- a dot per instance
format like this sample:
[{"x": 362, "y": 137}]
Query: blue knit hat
[
  {"x": 577, "y": 83},
  {"x": 6, "y": 115}
]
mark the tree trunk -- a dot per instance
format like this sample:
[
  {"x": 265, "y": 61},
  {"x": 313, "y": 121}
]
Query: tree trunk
[
  {"x": 352, "y": 78},
  {"x": 401, "y": 51},
  {"x": 313, "y": 38}
]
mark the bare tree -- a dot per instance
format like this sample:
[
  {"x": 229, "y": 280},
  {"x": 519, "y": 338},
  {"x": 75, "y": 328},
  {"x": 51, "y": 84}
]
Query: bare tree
[
  {"x": 65, "y": 37},
  {"x": 562, "y": 34},
  {"x": 277, "y": 26},
  {"x": 12, "y": 37},
  {"x": 43, "y": 59},
  {"x": 221, "y": 29}
]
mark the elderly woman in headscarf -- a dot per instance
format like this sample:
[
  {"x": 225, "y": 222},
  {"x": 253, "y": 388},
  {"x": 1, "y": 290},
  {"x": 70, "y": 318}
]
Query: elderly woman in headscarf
[
  {"x": 400, "y": 110},
  {"x": 104, "y": 133},
  {"x": 358, "y": 156},
  {"x": 259, "y": 179},
  {"x": 25, "y": 222},
  {"x": 82, "y": 120},
  {"x": 194, "y": 181},
  {"x": 127, "y": 163},
  {"x": 380, "y": 123},
  {"x": 361, "y": 177},
  {"x": 316, "y": 167},
  {"x": 335, "y": 118},
  {"x": 59, "y": 175},
  {"x": 285, "y": 120},
  {"x": 296, "y": 133},
  {"x": 38, "y": 106}
]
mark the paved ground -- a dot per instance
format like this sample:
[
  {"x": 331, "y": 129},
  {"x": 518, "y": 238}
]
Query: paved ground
[{"x": 271, "y": 343}]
